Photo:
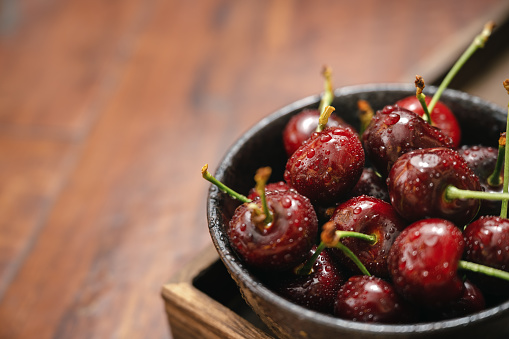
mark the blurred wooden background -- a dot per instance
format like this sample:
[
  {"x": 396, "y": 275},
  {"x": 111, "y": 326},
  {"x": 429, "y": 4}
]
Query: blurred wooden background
[{"x": 108, "y": 110}]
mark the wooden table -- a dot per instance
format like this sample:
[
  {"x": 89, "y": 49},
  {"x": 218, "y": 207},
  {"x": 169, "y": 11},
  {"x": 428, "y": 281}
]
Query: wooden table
[{"x": 109, "y": 109}]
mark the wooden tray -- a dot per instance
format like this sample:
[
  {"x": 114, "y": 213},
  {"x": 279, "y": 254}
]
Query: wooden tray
[{"x": 203, "y": 301}]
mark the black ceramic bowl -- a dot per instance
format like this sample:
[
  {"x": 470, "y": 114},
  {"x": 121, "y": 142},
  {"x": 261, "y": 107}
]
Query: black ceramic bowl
[{"x": 481, "y": 123}]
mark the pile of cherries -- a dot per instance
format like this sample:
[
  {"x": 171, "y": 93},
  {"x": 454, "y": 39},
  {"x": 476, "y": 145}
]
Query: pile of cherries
[{"x": 419, "y": 235}]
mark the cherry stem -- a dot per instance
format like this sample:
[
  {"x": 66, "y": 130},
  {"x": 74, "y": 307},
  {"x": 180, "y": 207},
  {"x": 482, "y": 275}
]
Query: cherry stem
[
  {"x": 332, "y": 238},
  {"x": 353, "y": 257},
  {"x": 324, "y": 118},
  {"x": 486, "y": 270},
  {"x": 261, "y": 178},
  {"x": 505, "y": 188},
  {"x": 452, "y": 193},
  {"x": 477, "y": 43},
  {"x": 365, "y": 114},
  {"x": 494, "y": 178},
  {"x": 307, "y": 267},
  {"x": 328, "y": 94},
  {"x": 209, "y": 177},
  {"x": 419, "y": 85}
]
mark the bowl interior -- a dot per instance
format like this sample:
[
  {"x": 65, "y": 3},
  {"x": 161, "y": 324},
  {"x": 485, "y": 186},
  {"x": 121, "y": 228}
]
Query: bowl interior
[{"x": 481, "y": 123}]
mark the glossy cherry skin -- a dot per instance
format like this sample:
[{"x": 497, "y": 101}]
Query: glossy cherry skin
[
  {"x": 327, "y": 166},
  {"x": 482, "y": 160},
  {"x": 487, "y": 243},
  {"x": 441, "y": 117},
  {"x": 423, "y": 262},
  {"x": 282, "y": 244},
  {"x": 270, "y": 187},
  {"x": 472, "y": 301},
  {"x": 372, "y": 300},
  {"x": 368, "y": 215},
  {"x": 418, "y": 180},
  {"x": 393, "y": 131},
  {"x": 371, "y": 184},
  {"x": 300, "y": 127},
  {"x": 316, "y": 290}
]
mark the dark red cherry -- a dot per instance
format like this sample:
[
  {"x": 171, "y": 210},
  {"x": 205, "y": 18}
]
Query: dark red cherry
[
  {"x": 482, "y": 160},
  {"x": 273, "y": 186},
  {"x": 487, "y": 243},
  {"x": 370, "y": 299},
  {"x": 327, "y": 166},
  {"x": 472, "y": 301},
  {"x": 418, "y": 181},
  {"x": 368, "y": 215},
  {"x": 441, "y": 117},
  {"x": 394, "y": 131},
  {"x": 316, "y": 290},
  {"x": 300, "y": 127},
  {"x": 423, "y": 262},
  {"x": 281, "y": 244},
  {"x": 370, "y": 183}
]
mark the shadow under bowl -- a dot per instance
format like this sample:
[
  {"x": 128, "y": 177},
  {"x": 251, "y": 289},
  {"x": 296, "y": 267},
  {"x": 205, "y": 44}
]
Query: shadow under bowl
[{"x": 481, "y": 123}]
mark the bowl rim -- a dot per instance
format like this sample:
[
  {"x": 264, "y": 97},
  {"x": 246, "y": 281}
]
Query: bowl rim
[{"x": 242, "y": 275}]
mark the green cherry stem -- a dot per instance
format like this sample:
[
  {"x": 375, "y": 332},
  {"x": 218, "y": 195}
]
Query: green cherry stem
[
  {"x": 478, "y": 42},
  {"x": 452, "y": 193},
  {"x": 494, "y": 178},
  {"x": 328, "y": 94},
  {"x": 332, "y": 238},
  {"x": 486, "y": 270},
  {"x": 209, "y": 177},
  {"x": 307, "y": 267},
  {"x": 505, "y": 188},
  {"x": 419, "y": 84}
]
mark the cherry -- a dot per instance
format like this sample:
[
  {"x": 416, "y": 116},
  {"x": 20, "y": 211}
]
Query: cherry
[
  {"x": 471, "y": 301},
  {"x": 316, "y": 289},
  {"x": 368, "y": 215},
  {"x": 273, "y": 232},
  {"x": 487, "y": 163},
  {"x": 394, "y": 131},
  {"x": 441, "y": 117},
  {"x": 370, "y": 183},
  {"x": 327, "y": 166},
  {"x": 423, "y": 262},
  {"x": 419, "y": 184},
  {"x": 487, "y": 243},
  {"x": 300, "y": 127},
  {"x": 273, "y": 186},
  {"x": 371, "y": 299}
]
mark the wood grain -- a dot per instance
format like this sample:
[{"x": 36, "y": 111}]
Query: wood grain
[{"x": 109, "y": 109}]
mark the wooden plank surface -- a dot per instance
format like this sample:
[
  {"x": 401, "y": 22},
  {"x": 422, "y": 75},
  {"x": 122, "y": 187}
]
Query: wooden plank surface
[{"x": 108, "y": 109}]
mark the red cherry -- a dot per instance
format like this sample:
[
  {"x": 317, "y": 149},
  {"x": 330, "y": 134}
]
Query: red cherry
[
  {"x": 418, "y": 181},
  {"x": 371, "y": 216},
  {"x": 441, "y": 117},
  {"x": 273, "y": 186},
  {"x": 302, "y": 125},
  {"x": 487, "y": 243},
  {"x": 482, "y": 160},
  {"x": 371, "y": 299},
  {"x": 316, "y": 290},
  {"x": 394, "y": 131},
  {"x": 283, "y": 243},
  {"x": 370, "y": 183},
  {"x": 423, "y": 262},
  {"x": 327, "y": 166},
  {"x": 472, "y": 301}
]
